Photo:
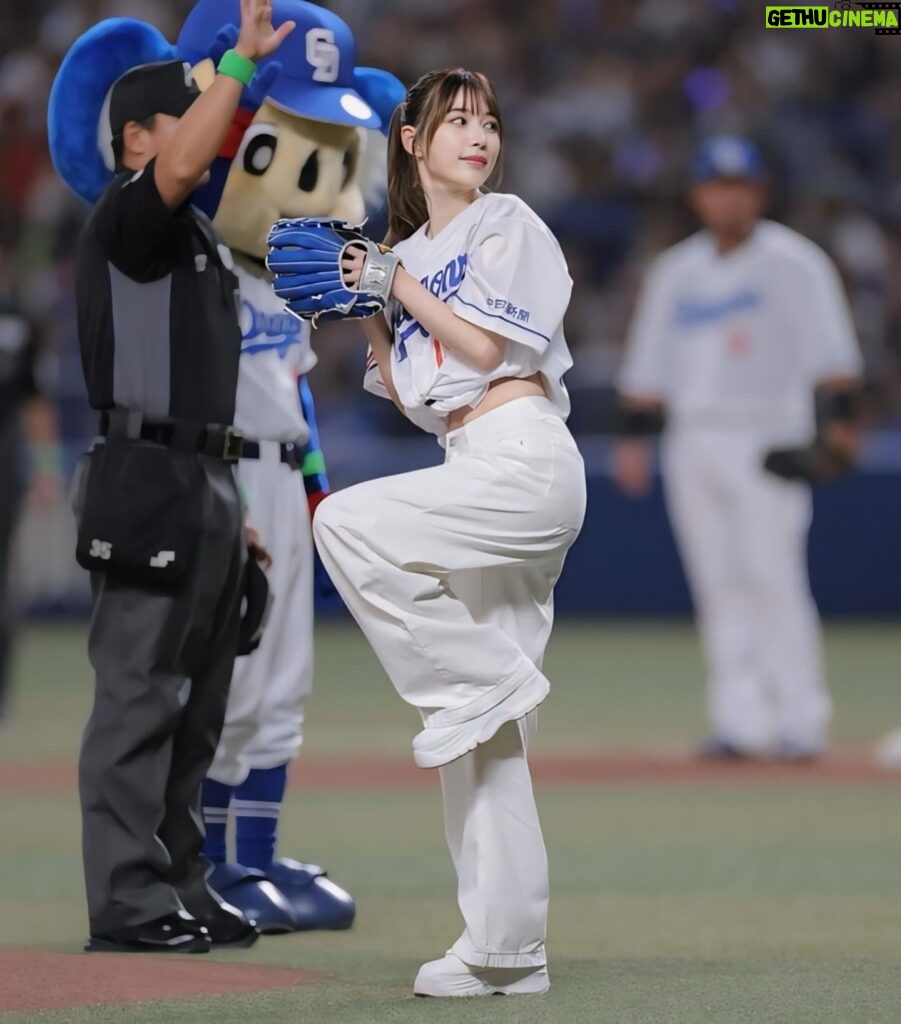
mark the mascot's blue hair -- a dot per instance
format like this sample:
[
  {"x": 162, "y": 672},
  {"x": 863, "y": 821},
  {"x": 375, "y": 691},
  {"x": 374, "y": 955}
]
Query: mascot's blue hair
[{"x": 96, "y": 60}]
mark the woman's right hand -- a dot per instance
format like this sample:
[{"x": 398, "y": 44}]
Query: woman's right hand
[{"x": 257, "y": 38}]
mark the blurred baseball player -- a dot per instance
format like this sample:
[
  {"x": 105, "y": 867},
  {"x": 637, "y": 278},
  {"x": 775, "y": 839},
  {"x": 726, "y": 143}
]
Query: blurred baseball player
[{"x": 744, "y": 337}]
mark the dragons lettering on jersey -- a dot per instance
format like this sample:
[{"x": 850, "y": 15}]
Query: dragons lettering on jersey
[
  {"x": 692, "y": 312},
  {"x": 262, "y": 331},
  {"x": 443, "y": 285}
]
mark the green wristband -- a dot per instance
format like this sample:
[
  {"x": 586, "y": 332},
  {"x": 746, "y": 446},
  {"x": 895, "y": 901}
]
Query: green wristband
[{"x": 235, "y": 66}]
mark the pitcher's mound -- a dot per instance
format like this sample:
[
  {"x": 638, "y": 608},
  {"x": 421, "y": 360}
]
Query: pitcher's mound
[{"x": 35, "y": 980}]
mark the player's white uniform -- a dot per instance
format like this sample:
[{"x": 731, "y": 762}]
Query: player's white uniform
[
  {"x": 734, "y": 345},
  {"x": 449, "y": 571},
  {"x": 264, "y": 718}
]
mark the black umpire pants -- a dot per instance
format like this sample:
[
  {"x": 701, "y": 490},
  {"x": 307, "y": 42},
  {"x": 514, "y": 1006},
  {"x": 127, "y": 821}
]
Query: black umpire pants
[{"x": 163, "y": 663}]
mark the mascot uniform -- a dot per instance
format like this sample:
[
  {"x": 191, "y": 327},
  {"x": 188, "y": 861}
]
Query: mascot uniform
[{"x": 295, "y": 152}]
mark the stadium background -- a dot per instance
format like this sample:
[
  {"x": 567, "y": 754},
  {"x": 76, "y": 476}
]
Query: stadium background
[
  {"x": 678, "y": 897},
  {"x": 603, "y": 103}
]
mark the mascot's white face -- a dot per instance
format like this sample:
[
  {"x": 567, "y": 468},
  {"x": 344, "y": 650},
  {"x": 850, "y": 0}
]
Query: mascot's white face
[{"x": 287, "y": 166}]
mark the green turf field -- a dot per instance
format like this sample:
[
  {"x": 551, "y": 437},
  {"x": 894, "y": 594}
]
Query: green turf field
[{"x": 680, "y": 904}]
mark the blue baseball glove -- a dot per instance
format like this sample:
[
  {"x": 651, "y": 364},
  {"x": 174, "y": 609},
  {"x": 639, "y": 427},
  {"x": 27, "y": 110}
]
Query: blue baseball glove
[{"x": 305, "y": 257}]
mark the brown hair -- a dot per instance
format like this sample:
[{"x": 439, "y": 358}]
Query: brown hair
[{"x": 426, "y": 104}]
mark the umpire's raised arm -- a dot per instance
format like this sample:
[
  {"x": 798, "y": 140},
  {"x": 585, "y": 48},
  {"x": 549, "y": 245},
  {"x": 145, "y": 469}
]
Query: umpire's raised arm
[{"x": 190, "y": 146}]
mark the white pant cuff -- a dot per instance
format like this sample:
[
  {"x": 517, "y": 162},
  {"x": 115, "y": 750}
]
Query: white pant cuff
[
  {"x": 485, "y": 703},
  {"x": 434, "y": 747},
  {"x": 463, "y": 948},
  {"x": 227, "y": 776},
  {"x": 264, "y": 762}
]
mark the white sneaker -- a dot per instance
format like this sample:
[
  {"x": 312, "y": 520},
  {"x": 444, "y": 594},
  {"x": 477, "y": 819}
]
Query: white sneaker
[{"x": 451, "y": 977}]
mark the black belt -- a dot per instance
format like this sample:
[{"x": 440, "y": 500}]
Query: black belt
[
  {"x": 216, "y": 439},
  {"x": 288, "y": 452}
]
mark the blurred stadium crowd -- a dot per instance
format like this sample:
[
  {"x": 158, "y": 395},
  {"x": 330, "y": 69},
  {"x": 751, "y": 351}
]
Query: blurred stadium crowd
[{"x": 603, "y": 103}]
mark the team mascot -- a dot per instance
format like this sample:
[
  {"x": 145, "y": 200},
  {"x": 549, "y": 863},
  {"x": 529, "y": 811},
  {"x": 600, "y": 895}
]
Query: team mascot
[
  {"x": 299, "y": 152},
  {"x": 296, "y": 153}
]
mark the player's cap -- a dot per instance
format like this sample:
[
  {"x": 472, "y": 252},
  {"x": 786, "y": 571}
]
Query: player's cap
[
  {"x": 728, "y": 156},
  {"x": 78, "y": 113},
  {"x": 318, "y": 59},
  {"x": 167, "y": 87}
]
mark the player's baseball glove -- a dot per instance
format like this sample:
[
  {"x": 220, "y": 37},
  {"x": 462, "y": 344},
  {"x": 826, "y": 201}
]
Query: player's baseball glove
[
  {"x": 814, "y": 463},
  {"x": 305, "y": 257}
]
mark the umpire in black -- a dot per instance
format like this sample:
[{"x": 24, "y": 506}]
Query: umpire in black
[{"x": 160, "y": 520}]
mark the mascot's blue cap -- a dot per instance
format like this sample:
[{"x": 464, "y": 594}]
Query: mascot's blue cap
[
  {"x": 319, "y": 79},
  {"x": 79, "y": 99}
]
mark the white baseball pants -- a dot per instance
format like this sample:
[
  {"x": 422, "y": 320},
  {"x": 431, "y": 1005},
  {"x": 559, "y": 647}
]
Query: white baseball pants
[
  {"x": 449, "y": 572},
  {"x": 264, "y": 719},
  {"x": 742, "y": 534}
]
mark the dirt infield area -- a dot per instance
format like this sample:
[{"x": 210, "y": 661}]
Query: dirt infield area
[
  {"x": 32, "y": 980},
  {"x": 623, "y": 768}
]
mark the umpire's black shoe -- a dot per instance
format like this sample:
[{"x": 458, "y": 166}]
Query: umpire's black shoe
[
  {"x": 228, "y": 928},
  {"x": 175, "y": 933}
]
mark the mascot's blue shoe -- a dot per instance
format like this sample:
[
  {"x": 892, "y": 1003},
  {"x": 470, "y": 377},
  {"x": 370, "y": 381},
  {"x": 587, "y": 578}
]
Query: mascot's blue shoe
[
  {"x": 318, "y": 904},
  {"x": 252, "y": 893}
]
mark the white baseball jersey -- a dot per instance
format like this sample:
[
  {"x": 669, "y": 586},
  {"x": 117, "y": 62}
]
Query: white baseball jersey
[
  {"x": 741, "y": 338},
  {"x": 498, "y": 266},
  {"x": 275, "y": 350}
]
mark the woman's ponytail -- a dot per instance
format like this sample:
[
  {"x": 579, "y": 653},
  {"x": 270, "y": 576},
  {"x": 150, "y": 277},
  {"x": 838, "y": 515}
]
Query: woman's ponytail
[{"x": 407, "y": 210}]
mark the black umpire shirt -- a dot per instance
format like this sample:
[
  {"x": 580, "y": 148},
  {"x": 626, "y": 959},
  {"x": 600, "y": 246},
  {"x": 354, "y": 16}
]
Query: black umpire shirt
[{"x": 157, "y": 306}]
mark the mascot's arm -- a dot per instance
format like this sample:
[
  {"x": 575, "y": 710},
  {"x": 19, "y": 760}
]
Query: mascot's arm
[
  {"x": 209, "y": 195},
  {"x": 316, "y": 484},
  {"x": 314, "y": 476}
]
